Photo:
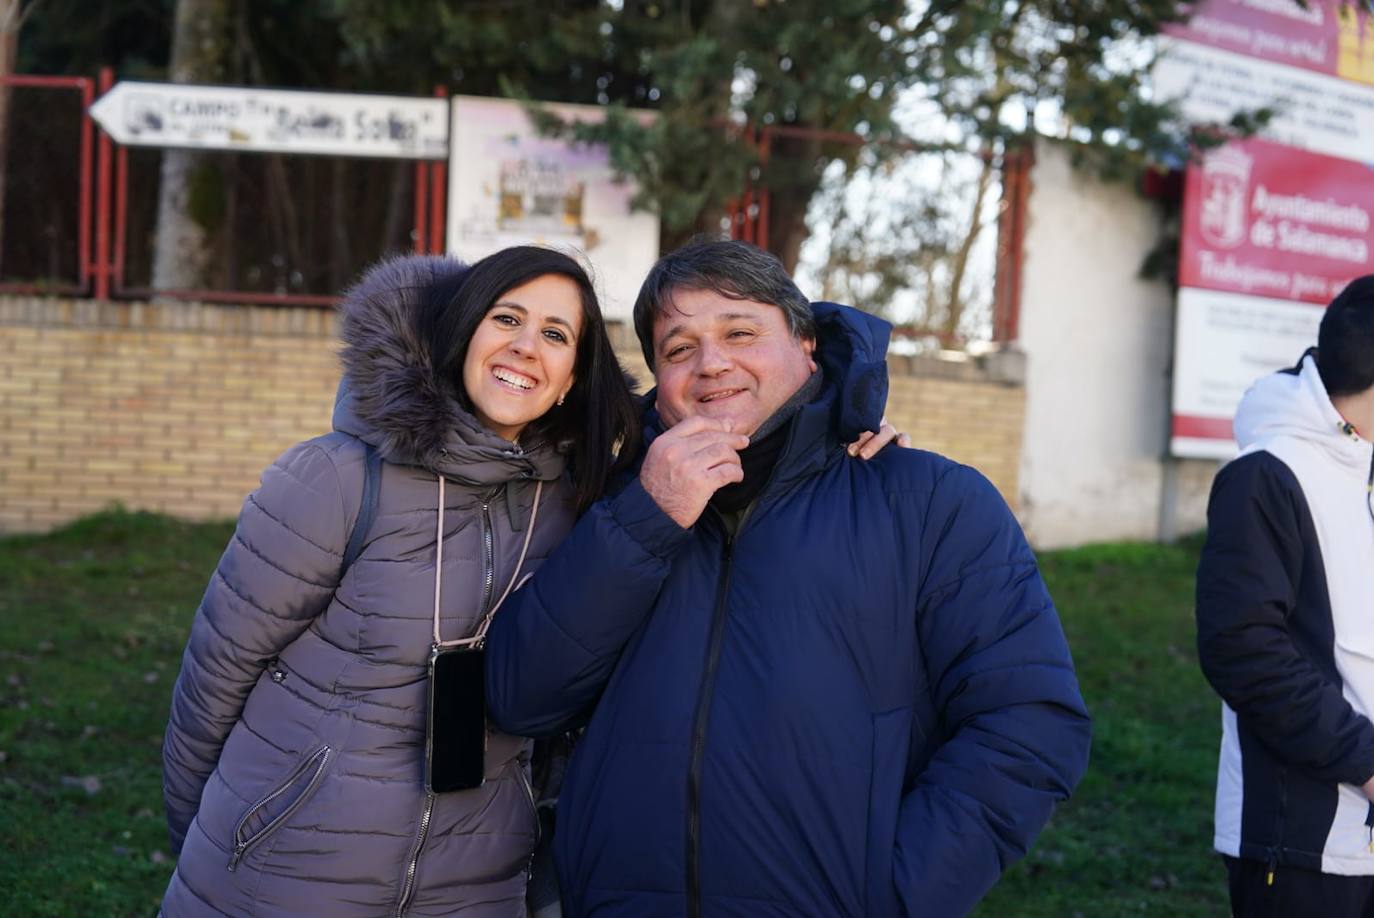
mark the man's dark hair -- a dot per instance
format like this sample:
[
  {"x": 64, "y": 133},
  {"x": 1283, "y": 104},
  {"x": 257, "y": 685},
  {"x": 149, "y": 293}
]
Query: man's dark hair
[
  {"x": 1345, "y": 341},
  {"x": 598, "y": 413},
  {"x": 729, "y": 267}
]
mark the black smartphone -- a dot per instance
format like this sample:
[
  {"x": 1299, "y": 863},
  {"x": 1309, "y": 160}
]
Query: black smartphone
[{"x": 456, "y": 726}]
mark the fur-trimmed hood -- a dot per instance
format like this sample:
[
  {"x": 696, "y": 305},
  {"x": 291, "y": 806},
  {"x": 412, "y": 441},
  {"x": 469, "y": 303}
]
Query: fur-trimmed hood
[{"x": 390, "y": 396}]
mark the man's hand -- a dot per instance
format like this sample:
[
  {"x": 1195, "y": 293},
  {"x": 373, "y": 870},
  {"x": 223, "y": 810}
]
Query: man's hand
[{"x": 688, "y": 463}]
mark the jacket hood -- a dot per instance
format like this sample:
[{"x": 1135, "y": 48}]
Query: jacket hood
[
  {"x": 391, "y": 397},
  {"x": 851, "y": 347},
  {"x": 1293, "y": 403},
  {"x": 851, "y": 350}
]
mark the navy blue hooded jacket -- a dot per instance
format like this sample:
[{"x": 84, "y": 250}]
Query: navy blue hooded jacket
[{"x": 861, "y": 704}]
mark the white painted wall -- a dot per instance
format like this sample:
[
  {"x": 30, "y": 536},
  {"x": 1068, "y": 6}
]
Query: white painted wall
[{"x": 1098, "y": 343}]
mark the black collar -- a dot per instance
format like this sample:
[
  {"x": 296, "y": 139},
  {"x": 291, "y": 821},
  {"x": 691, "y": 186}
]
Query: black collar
[{"x": 766, "y": 447}]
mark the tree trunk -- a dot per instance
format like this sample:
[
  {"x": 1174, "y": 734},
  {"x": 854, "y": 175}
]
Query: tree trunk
[
  {"x": 792, "y": 175},
  {"x": 787, "y": 226},
  {"x": 340, "y": 254},
  {"x": 709, "y": 222},
  {"x": 954, "y": 302},
  {"x": 232, "y": 257},
  {"x": 185, "y": 231},
  {"x": 282, "y": 207},
  {"x": 394, "y": 237}
]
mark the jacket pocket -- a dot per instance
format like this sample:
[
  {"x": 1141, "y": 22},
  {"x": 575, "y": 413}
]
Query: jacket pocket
[
  {"x": 269, "y": 813},
  {"x": 891, "y": 747}
]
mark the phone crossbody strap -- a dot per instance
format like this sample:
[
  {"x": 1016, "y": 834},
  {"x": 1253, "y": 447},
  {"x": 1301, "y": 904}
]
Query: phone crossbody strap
[{"x": 478, "y": 638}]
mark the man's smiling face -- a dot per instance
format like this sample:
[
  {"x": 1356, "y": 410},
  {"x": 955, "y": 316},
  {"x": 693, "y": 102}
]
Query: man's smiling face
[{"x": 726, "y": 359}]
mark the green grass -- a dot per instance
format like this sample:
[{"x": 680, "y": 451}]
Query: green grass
[
  {"x": 93, "y": 618},
  {"x": 1137, "y": 836},
  {"x": 92, "y": 622}
]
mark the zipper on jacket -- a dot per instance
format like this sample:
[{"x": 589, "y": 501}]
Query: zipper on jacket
[
  {"x": 708, "y": 682},
  {"x": 408, "y": 889},
  {"x": 488, "y": 557},
  {"x": 1272, "y": 865},
  {"x": 708, "y": 685},
  {"x": 1369, "y": 503},
  {"x": 528, "y": 788},
  {"x": 243, "y": 845},
  {"x": 488, "y": 585}
]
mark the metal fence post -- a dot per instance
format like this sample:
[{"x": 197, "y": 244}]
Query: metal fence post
[
  {"x": 1011, "y": 234},
  {"x": 421, "y": 207},
  {"x": 83, "y": 225},
  {"x": 438, "y": 187},
  {"x": 101, "y": 267}
]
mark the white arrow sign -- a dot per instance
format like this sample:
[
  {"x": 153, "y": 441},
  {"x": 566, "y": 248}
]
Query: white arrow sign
[{"x": 274, "y": 120}]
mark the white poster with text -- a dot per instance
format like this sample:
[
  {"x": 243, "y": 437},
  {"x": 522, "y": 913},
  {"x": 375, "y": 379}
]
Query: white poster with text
[
  {"x": 509, "y": 185},
  {"x": 1223, "y": 342}
]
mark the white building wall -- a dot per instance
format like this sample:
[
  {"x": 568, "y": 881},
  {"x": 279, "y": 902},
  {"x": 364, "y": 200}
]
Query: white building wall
[{"x": 1098, "y": 344}]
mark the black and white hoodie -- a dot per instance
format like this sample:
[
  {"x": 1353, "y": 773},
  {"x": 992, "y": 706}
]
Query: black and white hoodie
[{"x": 1285, "y": 614}]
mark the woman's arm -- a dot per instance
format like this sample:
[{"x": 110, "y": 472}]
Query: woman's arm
[
  {"x": 869, "y": 442},
  {"x": 279, "y": 571}
]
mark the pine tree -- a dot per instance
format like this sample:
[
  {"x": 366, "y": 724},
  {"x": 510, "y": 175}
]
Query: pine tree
[{"x": 987, "y": 72}]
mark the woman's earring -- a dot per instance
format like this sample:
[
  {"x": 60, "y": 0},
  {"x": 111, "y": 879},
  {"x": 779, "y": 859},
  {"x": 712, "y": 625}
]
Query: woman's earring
[{"x": 561, "y": 397}]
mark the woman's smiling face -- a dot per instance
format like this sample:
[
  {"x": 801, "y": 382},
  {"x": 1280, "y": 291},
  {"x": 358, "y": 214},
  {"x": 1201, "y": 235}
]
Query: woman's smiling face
[{"x": 521, "y": 358}]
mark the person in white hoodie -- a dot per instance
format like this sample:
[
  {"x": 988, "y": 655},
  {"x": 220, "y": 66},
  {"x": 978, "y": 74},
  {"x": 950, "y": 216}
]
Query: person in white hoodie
[{"x": 1285, "y": 616}]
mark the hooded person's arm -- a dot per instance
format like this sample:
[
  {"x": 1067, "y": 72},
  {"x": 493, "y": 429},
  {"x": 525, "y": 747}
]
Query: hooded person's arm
[
  {"x": 553, "y": 647},
  {"x": 1247, "y": 595},
  {"x": 277, "y": 574},
  {"x": 1008, "y": 702}
]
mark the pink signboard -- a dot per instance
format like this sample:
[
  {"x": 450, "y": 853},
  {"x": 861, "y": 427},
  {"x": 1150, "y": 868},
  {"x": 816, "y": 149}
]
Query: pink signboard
[
  {"x": 1271, "y": 231},
  {"x": 1326, "y": 36},
  {"x": 1275, "y": 221}
]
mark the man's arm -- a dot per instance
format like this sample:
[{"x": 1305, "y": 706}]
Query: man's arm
[
  {"x": 278, "y": 572},
  {"x": 1008, "y": 701},
  {"x": 555, "y": 644},
  {"x": 1247, "y": 594},
  {"x": 557, "y": 639}
]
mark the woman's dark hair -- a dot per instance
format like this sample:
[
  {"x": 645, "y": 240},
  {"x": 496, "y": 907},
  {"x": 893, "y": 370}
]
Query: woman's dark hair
[
  {"x": 597, "y": 422},
  {"x": 1345, "y": 340}
]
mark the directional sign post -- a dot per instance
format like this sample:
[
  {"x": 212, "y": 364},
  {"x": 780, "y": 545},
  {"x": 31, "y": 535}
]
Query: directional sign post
[{"x": 274, "y": 120}]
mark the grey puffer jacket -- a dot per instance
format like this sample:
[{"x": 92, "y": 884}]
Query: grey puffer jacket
[{"x": 294, "y": 756}]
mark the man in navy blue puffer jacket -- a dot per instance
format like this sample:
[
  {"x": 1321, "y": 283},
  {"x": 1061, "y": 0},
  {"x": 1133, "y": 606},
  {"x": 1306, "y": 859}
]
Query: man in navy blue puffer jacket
[{"x": 816, "y": 686}]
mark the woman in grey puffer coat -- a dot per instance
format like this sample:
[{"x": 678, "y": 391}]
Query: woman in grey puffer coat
[{"x": 294, "y": 756}]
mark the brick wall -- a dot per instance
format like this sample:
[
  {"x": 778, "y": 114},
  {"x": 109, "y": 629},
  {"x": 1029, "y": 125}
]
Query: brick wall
[
  {"x": 176, "y": 407},
  {"x": 968, "y": 408}
]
